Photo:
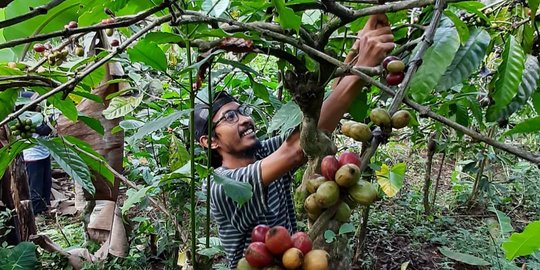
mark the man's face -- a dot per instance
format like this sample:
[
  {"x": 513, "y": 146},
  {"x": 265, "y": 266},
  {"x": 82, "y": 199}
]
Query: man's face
[{"x": 234, "y": 132}]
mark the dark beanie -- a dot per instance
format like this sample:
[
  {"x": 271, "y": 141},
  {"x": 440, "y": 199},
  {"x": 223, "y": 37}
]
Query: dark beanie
[{"x": 201, "y": 112}]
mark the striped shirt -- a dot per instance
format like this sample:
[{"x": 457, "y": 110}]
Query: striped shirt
[{"x": 271, "y": 206}]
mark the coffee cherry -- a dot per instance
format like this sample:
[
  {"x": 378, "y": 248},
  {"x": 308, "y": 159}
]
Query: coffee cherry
[
  {"x": 388, "y": 59},
  {"x": 12, "y": 65},
  {"x": 72, "y": 25},
  {"x": 107, "y": 21},
  {"x": 109, "y": 32},
  {"x": 395, "y": 78},
  {"x": 79, "y": 51},
  {"x": 395, "y": 66},
  {"x": 39, "y": 48},
  {"x": 115, "y": 42}
]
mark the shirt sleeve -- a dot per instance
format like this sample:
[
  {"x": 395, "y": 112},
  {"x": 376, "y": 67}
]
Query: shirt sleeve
[
  {"x": 241, "y": 217},
  {"x": 272, "y": 144}
]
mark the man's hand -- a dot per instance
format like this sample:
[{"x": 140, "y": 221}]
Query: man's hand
[{"x": 373, "y": 42}]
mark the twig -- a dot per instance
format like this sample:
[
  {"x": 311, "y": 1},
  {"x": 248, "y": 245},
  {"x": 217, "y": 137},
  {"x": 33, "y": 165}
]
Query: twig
[
  {"x": 431, "y": 146},
  {"x": 70, "y": 85},
  {"x": 33, "y": 13},
  {"x": 60, "y": 47},
  {"x": 437, "y": 182},
  {"x": 120, "y": 22}
]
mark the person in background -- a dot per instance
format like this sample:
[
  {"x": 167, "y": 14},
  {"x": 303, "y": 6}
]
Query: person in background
[{"x": 38, "y": 162}]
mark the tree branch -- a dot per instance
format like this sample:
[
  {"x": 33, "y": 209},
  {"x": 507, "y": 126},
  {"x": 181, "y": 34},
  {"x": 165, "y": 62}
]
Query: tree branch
[
  {"x": 120, "y": 22},
  {"x": 41, "y": 10},
  {"x": 7, "y": 82}
]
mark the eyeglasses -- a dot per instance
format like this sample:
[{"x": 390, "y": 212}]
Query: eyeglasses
[{"x": 231, "y": 116}]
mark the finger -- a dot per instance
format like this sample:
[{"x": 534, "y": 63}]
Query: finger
[
  {"x": 382, "y": 20},
  {"x": 372, "y": 22},
  {"x": 387, "y": 46},
  {"x": 384, "y": 38}
]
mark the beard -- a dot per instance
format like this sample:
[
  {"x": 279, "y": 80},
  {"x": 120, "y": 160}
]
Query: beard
[{"x": 251, "y": 151}]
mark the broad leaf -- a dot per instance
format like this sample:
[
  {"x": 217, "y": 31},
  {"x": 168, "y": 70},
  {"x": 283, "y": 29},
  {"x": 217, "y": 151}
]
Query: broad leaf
[
  {"x": 437, "y": 58},
  {"x": 461, "y": 27},
  {"x": 158, "y": 124},
  {"x": 178, "y": 154},
  {"x": 215, "y": 7},
  {"x": 524, "y": 243},
  {"x": 120, "y": 106},
  {"x": 93, "y": 159},
  {"x": 346, "y": 228},
  {"x": 21, "y": 257},
  {"x": 287, "y": 117},
  {"x": 9, "y": 152},
  {"x": 472, "y": 7},
  {"x": 287, "y": 18},
  {"x": 462, "y": 257},
  {"x": 528, "y": 85},
  {"x": 528, "y": 126},
  {"x": 533, "y": 4},
  {"x": 236, "y": 64},
  {"x": 259, "y": 89},
  {"x": 7, "y": 99},
  {"x": 505, "y": 223},
  {"x": 391, "y": 179},
  {"x": 240, "y": 192},
  {"x": 134, "y": 197},
  {"x": 508, "y": 78},
  {"x": 466, "y": 61},
  {"x": 93, "y": 124},
  {"x": 70, "y": 162},
  {"x": 148, "y": 53},
  {"x": 359, "y": 107}
]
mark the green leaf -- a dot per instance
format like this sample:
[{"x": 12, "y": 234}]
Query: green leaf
[
  {"x": 68, "y": 160},
  {"x": 461, "y": 27},
  {"x": 236, "y": 64},
  {"x": 437, "y": 58},
  {"x": 287, "y": 18},
  {"x": 130, "y": 124},
  {"x": 93, "y": 159},
  {"x": 240, "y": 192},
  {"x": 66, "y": 106},
  {"x": 158, "y": 124},
  {"x": 505, "y": 223},
  {"x": 359, "y": 107},
  {"x": 329, "y": 236},
  {"x": 528, "y": 85},
  {"x": 259, "y": 89},
  {"x": 533, "y": 5},
  {"x": 528, "y": 126},
  {"x": 148, "y": 53},
  {"x": 134, "y": 196},
  {"x": 536, "y": 101},
  {"x": 21, "y": 257},
  {"x": 524, "y": 243},
  {"x": 287, "y": 117},
  {"x": 391, "y": 179},
  {"x": 7, "y": 99},
  {"x": 215, "y": 7},
  {"x": 120, "y": 106},
  {"x": 462, "y": 257},
  {"x": 466, "y": 61},
  {"x": 93, "y": 124},
  {"x": 508, "y": 77},
  {"x": 346, "y": 228},
  {"x": 9, "y": 152},
  {"x": 178, "y": 154},
  {"x": 472, "y": 7},
  {"x": 163, "y": 37}
]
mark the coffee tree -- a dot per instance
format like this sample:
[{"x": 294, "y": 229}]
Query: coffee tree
[{"x": 131, "y": 71}]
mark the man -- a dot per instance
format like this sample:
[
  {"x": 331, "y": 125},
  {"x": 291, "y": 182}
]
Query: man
[{"x": 269, "y": 165}]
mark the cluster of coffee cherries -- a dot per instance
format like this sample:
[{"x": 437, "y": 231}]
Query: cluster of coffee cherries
[
  {"x": 110, "y": 32},
  {"x": 23, "y": 129},
  {"x": 395, "y": 67},
  {"x": 272, "y": 248}
]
